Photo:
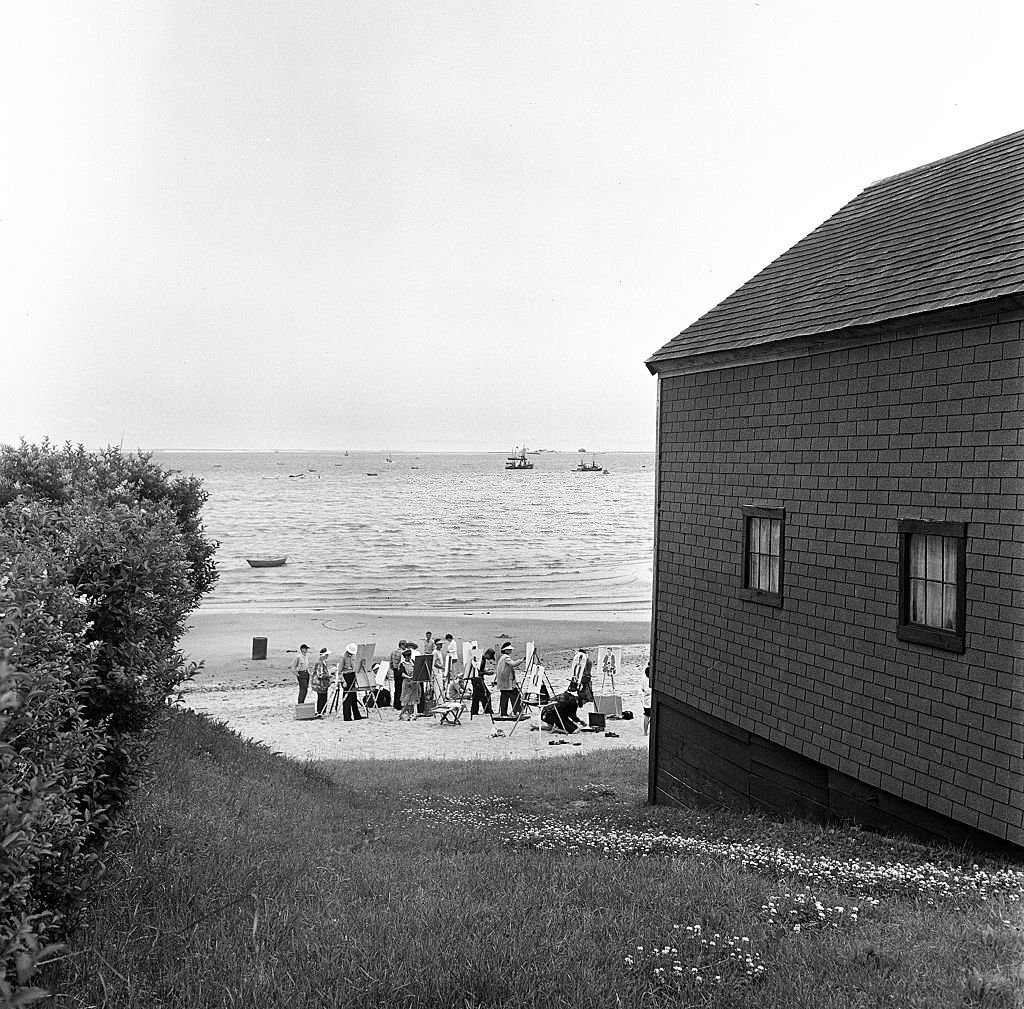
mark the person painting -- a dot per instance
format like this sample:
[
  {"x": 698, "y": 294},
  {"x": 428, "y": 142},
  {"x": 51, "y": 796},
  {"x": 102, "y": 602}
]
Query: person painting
[
  {"x": 410, "y": 688},
  {"x": 397, "y": 673},
  {"x": 349, "y": 698},
  {"x": 505, "y": 673},
  {"x": 300, "y": 667},
  {"x": 321, "y": 681},
  {"x": 561, "y": 712},
  {"x": 582, "y": 676},
  {"x": 481, "y": 695},
  {"x": 438, "y": 670},
  {"x": 451, "y": 655}
]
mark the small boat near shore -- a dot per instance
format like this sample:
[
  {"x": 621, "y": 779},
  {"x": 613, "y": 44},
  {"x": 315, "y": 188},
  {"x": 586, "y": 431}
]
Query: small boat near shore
[{"x": 266, "y": 562}]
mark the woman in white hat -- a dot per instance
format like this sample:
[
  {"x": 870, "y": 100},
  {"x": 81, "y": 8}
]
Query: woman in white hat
[{"x": 350, "y": 700}]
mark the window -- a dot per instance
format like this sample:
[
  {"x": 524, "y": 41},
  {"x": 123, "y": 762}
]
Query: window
[
  {"x": 933, "y": 583},
  {"x": 763, "y": 554}
]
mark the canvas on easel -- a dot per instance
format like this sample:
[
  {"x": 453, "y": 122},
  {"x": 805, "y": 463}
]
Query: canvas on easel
[
  {"x": 421, "y": 675},
  {"x": 534, "y": 684},
  {"x": 609, "y": 662},
  {"x": 366, "y": 678}
]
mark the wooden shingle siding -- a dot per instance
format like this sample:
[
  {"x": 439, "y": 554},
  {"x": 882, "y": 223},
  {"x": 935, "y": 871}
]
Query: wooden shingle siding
[{"x": 918, "y": 422}]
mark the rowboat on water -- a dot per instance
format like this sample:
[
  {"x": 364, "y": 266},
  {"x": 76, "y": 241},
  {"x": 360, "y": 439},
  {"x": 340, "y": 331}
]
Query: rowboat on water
[{"x": 266, "y": 562}]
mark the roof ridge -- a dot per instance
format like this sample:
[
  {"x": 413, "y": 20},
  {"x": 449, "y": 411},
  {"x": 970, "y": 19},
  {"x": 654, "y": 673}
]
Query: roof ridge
[{"x": 948, "y": 157}]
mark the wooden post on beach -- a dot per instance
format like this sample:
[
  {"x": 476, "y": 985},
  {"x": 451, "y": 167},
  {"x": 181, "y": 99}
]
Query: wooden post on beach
[{"x": 259, "y": 648}]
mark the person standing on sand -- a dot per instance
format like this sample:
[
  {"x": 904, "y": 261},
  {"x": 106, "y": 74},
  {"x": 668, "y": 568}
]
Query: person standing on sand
[
  {"x": 646, "y": 697},
  {"x": 428, "y": 643},
  {"x": 451, "y": 654},
  {"x": 395, "y": 664},
  {"x": 410, "y": 688},
  {"x": 349, "y": 699},
  {"x": 438, "y": 669},
  {"x": 300, "y": 666},
  {"x": 506, "y": 677},
  {"x": 481, "y": 695},
  {"x": 321, "y": 681},
  {"x": 582, "y": 676}
]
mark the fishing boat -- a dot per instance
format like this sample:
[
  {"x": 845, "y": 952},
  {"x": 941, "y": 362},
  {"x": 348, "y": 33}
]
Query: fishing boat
[
  {"x": 518, "y": 460},
  {"x": 588, "y": 467},
  {"x": 266, "y": 562}
]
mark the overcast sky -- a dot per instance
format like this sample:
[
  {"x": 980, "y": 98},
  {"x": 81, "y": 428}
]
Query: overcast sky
[{"x": 431, "y": 225}]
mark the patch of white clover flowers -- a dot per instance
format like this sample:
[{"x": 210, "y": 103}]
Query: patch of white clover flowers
[{"x": 854, "y": 875}]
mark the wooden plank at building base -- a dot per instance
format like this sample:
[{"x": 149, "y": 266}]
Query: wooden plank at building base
[{"x": 700, "y": 758}]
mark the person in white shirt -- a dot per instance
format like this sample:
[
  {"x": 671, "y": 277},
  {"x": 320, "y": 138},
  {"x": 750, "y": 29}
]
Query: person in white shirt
[
  {"x": 646, "y": 694},
  {"x": 300, "y": 667}
]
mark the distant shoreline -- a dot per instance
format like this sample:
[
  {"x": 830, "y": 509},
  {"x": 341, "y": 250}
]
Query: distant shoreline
[{"x": 219, "y": 637}]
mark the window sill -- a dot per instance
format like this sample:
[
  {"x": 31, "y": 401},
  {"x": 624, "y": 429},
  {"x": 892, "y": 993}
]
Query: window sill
[
  {"x": 759, "y": 596},
  {"x": 948, "y": 641}
]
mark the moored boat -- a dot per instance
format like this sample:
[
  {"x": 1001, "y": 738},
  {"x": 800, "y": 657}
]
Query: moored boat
[
  {"x": 266, "y": 562},
  {"x": 588, "y": 467},
  {"x": 518, "y": 460}
]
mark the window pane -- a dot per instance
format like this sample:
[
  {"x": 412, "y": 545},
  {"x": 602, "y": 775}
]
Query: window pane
[
  {"x": 949, "y": 552},
  {"x": 933, "y": 547},
  {"x": 949, "y": 607},
  {"x": 773, "y": 577},
  {"x": 916, "y": 615},
  {"x": 766, "y": 536},
  {"x": 917, "y": 556},
  {"x": 776, "y": 538},
  {"x": 762, "y": 574},
  {"x": 933, "y": 604}
]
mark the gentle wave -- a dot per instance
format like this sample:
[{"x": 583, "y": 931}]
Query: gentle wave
[{"x": 455, "y": 532}]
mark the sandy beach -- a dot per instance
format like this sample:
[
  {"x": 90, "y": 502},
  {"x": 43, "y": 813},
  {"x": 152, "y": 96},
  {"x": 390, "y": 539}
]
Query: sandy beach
[{"x": 256, "y": 698}]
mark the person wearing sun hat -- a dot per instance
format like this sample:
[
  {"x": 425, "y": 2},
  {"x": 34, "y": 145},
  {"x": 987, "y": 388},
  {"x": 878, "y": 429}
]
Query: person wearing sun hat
[
  {"x": 321, "y": 681},
  {"x": 349, "y": 700},
  {"x": 505, "y": 673}
]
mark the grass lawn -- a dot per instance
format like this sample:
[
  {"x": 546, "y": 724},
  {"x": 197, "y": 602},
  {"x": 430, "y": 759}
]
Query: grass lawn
[{"x": 240, "y": 878}]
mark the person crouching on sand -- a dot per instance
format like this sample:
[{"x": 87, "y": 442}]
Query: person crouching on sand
[
  {"x": 505, "y": 673},
  {"x": 321, "y": 681},
  {"x": 410, "y": 688},
  {"x": 561, "y": 712}
]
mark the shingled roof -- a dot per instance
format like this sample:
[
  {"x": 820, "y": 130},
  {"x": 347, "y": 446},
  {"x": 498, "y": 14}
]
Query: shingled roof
[{"x": 946, "y": 234}]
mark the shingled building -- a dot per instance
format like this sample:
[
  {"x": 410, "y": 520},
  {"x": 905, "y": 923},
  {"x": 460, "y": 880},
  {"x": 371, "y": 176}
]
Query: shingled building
[{"x": 838, "y": 618}]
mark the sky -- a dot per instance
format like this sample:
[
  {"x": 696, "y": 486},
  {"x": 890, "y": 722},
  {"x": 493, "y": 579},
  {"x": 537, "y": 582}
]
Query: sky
[{"x": 436, "y": 225}]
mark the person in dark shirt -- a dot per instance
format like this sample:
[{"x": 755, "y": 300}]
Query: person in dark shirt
[
  {"x": 397, "y": 673},
  {"x": 481, "y": 695},
  {"x": 561, "y": 712}
]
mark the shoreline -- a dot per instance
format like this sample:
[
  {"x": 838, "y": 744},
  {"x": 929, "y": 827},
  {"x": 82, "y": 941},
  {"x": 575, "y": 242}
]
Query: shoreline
[{"x": 225, "y": 638}]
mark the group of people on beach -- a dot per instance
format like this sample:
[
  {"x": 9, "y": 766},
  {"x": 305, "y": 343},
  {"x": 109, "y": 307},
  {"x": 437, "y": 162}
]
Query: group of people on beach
[
  {"x": 320, "y": 677},
  {"x": 416, "y": 679}
]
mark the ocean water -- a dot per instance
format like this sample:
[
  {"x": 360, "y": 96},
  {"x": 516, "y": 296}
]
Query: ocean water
[{"x": 428, "y": 531}]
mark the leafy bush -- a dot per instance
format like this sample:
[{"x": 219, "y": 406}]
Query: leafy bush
[{"x": 102, "y": 558}]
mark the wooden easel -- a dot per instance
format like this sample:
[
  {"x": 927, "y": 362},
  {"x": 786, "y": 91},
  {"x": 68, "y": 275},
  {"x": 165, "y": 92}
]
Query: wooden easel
[{"x": 534, "y": 661}]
